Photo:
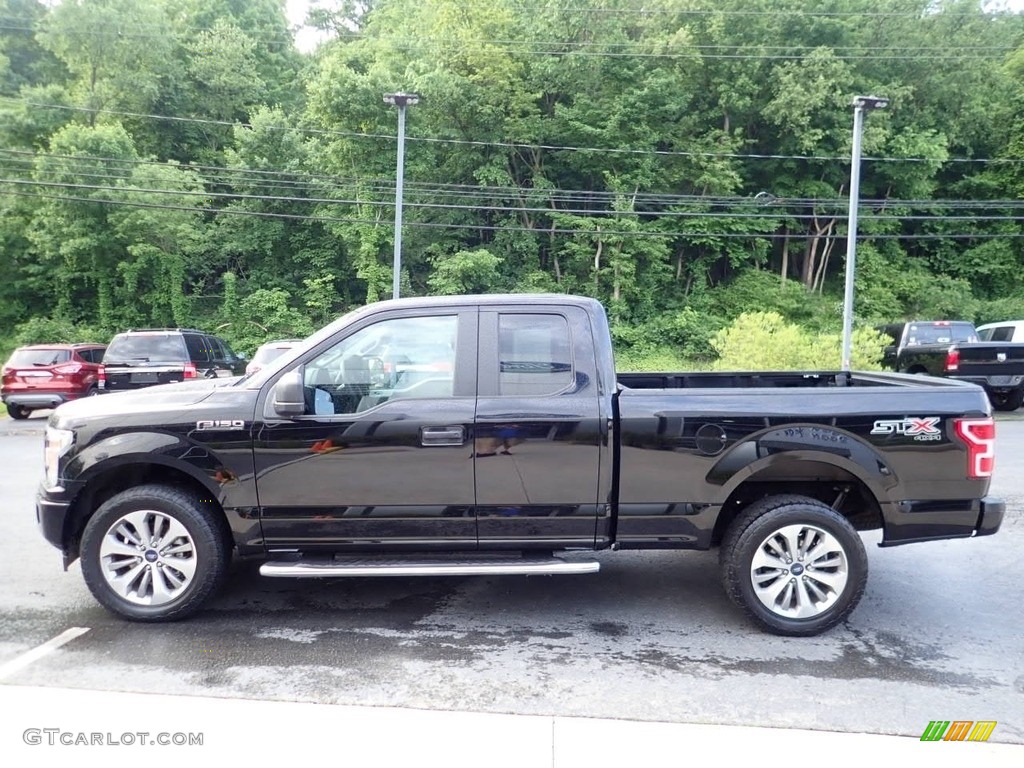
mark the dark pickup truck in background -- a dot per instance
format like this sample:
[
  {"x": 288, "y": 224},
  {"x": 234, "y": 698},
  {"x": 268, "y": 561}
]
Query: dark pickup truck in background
[
  {"x": 499, "y": 439},
  {"x": 952, "y": 348}
]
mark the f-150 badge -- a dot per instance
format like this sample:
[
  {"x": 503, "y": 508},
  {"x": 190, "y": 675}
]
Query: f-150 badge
[
  {"x": 919, "y": 428},
  {"x": 220, "y": 424}
]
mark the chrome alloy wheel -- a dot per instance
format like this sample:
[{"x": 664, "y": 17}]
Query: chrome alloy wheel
[
  {"x": 799, "y": 571},
  {"x": 148, "y": 558}
]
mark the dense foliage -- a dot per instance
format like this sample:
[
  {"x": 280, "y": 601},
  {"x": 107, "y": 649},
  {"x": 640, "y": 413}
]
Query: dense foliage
[{"x": 180, "y": 162}]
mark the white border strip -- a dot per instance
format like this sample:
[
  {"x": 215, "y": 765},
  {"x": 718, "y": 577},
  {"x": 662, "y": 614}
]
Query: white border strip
[{"x": 16, "y": 665}]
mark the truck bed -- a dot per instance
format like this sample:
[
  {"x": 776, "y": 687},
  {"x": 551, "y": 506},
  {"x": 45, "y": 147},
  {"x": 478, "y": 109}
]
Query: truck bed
[
  {"x": 711, "y": 380},
  {"x": 774, "y": 379}
]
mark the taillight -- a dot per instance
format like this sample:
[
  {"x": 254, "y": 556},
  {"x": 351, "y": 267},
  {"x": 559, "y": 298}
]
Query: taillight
[
  {"x": 980, "y": 437},
  {"x": 190, "y": 371},
  {"x": 101, "y": 378},
  {"x": 952, "y": 360}
]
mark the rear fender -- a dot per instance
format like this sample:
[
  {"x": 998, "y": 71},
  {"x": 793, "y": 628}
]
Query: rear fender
[{"x": 812, "y": 444}]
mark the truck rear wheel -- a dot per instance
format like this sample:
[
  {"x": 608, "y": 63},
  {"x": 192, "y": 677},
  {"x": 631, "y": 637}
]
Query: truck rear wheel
[
  {"x": 153, "y": 553},
  {"x": 795, "y": 565},
  {"x": 1007, "y": 400}
]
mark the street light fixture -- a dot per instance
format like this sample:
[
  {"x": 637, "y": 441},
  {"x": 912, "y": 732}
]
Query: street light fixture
[
  {"x": 861, "y": 104},
  {"x": 400, "y": 100}
]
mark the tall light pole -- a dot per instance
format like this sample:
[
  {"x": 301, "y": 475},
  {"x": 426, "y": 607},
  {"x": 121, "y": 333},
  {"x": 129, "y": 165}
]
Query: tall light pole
[
  {"x": 861, "y": 104},
  {"x": 400, "y": 100}
]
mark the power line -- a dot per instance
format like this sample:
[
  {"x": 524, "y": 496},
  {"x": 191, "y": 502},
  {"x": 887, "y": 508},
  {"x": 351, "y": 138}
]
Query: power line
[
  {"x": 82, "y": 167},
  {"x": 520, "y": 145},
  {"x": 547, "y": 230},
  {"x": 633, "y": 49},
  {"x": 610, "y": 213}
]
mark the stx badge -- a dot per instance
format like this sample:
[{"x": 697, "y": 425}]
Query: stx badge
[{"x": 919, "y": 428}]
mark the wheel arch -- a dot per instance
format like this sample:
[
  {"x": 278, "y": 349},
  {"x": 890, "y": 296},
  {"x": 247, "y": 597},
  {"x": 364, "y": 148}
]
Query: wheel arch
[
  {"x": 105, "y": 481},
  {"x": 841, "y": 484}
]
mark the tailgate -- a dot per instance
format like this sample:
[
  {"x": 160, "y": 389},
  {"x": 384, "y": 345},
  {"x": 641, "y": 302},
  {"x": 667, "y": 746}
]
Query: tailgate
[
  {"x": 992, "y": 360},
  {"x": 28, "y": 378},
  {"x": 121, "y": 377}
]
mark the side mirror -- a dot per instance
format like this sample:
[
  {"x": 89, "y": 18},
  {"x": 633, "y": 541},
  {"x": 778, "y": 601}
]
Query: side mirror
[{"x": 287, "y": 395}]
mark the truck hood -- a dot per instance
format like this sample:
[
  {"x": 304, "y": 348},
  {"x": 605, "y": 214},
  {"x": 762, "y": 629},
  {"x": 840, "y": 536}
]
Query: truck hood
[{"x": 162, "y": 397}]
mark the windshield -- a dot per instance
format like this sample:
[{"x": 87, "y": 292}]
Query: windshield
[
  {"x": 256, "y": 379},
  {"x": 26, "y": 358},
  {"x": 146, "y": 348}
]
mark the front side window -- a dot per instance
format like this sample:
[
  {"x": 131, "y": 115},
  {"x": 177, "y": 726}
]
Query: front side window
[
  {"x": 409, "y": 357},
  {"x": 534, "y": 355}
]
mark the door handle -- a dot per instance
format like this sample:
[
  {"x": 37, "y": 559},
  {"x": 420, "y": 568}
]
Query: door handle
[{"x": 453, "y": 435}]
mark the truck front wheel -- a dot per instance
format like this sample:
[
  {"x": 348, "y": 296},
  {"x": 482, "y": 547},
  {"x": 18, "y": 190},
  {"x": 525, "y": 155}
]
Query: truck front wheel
[
  {"x": 153, "y": 553},
  {"x": 796, "y": 566}
]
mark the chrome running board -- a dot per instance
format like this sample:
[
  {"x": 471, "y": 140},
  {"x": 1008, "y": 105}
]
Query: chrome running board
[{"x": 368, "y": 566}]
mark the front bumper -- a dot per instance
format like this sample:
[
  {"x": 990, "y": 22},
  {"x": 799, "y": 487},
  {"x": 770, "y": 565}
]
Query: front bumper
[{"x": 52, "y": 510}]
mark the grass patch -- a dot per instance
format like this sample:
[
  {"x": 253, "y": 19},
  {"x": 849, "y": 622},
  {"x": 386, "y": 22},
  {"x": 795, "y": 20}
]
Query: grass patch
[{"x": 654, "y": 359}]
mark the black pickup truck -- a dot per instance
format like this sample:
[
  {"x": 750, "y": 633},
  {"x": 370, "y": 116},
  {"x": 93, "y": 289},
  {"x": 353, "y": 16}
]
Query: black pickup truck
[
  {"x": 951, "y": 348},
  {"x": 492, "y": 435}
]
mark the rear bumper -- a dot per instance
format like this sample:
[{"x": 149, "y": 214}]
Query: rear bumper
[
  {"x": 994, "y": 383},
  {"x": 990, "y": 517},
  {"x": 912, "y": 521},
  {"x": 38, "y": 399}
]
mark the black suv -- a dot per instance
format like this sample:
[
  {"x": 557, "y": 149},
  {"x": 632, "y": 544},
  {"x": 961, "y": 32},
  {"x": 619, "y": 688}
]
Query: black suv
[{"x": 143, "y": 358}]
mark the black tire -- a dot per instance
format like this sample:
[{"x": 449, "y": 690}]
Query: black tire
[
  {"x": 831, "y": 582},
  {"x": 18, "y": 412},
  {"x": 162, "y": 581},
  {"x": 1007, "y": 401}
]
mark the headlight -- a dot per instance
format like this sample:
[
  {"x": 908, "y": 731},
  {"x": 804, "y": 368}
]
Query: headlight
[{"x": 58, "y": 442}]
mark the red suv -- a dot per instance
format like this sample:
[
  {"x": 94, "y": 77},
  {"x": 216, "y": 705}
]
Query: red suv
[{"x": 46, "y": 375}]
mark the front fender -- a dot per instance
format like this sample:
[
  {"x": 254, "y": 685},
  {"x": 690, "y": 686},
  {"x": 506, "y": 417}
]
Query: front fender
[{"x": 137, "y": 448}]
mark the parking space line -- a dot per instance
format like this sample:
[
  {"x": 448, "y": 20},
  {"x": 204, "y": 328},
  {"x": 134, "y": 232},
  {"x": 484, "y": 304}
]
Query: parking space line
[{"x": 16, "y": 665}]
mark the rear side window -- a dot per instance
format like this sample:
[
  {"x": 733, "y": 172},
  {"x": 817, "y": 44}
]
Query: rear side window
[
  {"x": 198, "y": 351},
  {"x": 534, "y": 354},
  {"x": 1002, "y": 333},
  {"x": 146, "y": 348},
  {"x": 27, "y": 358},
  {"x": 91, "y": 355},
  {"x": 217, "y": 351}
]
